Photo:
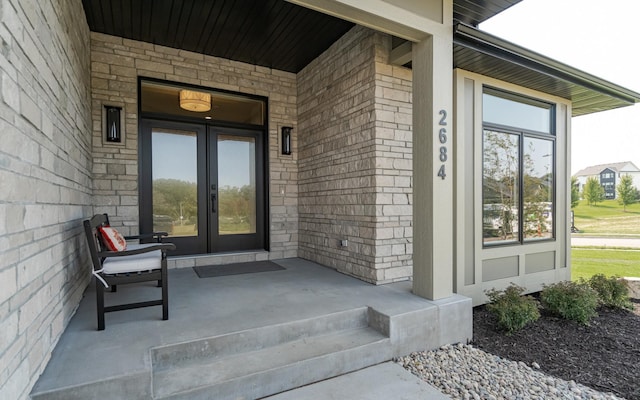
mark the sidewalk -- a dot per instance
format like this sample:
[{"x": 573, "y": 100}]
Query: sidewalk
[
  {"x": 584, "y": 241},
  {"x": 380, "y": 382}
]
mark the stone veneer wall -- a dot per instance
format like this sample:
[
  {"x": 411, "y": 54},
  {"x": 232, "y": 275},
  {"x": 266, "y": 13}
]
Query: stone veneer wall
[
  {"x": 116, "y": 64},
  {"x": 394, "y": 166},
  {"x": 355, "y": 159},
  {"x": 45, "y": 176}
]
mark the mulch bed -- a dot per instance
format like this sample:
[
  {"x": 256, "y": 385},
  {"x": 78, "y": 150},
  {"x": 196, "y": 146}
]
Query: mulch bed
[{"x": 604, "y": 355}]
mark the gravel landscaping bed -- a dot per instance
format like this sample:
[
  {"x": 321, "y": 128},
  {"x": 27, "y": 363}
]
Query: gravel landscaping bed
[
  {"x": 550, "y": 359},
  {"x": 464, "y": 372}
]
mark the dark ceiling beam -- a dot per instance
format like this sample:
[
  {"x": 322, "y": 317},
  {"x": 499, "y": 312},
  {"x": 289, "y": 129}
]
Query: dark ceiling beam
[
  {"x": 376, "y": 14},
  {"x": 401, "y": 54}
]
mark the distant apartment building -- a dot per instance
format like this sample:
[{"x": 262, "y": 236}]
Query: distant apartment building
[{"x": 609, "y": 176}]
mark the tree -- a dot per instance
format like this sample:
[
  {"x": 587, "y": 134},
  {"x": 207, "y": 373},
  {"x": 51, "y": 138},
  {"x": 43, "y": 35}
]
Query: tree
[
  {"x": 593, "y": 192},
  {"x": 175, "y": 198},
  {"x": 575, "y": 193},
  {"x": 626, "y": 191}
]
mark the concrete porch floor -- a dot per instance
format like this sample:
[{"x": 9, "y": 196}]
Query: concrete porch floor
[{"x": 87, "y": 363}]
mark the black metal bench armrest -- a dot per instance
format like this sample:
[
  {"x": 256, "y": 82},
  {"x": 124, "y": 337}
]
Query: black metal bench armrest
[
  {"x": 156, "y": 235},
  {"x": 142, "y": 250}
]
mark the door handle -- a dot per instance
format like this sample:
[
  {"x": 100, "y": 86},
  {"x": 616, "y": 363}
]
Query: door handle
[{"x": 214, "y": 197}]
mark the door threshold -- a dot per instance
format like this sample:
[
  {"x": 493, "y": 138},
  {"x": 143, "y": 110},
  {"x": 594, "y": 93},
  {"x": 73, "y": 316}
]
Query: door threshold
[{"x": 195, "y": 260}]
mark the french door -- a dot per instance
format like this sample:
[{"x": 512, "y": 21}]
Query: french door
[{"x": 204, "y": 185}]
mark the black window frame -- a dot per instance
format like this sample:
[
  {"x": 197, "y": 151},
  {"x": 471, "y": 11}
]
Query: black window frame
[{"x": 522, "y": 134}]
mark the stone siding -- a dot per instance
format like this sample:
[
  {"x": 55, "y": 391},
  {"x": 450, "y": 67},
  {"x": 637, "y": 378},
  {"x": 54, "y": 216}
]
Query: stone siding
[
  {"x": 355, "y": 159},
  {"x": 116, "y": 65},
  {"x": 45, "y": 175},
  {"x": 394, "y": 166}
]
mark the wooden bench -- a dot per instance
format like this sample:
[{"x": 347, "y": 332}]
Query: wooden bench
[{"x": 137, "y": 263}]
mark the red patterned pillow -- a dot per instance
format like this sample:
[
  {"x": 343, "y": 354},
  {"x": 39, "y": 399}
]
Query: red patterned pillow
[{"x": 112, "y": 238}]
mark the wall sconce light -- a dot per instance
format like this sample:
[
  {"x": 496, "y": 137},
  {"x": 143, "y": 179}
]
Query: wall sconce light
[
  {"x": 113, "y": 128},
  {"x": 286, "y": 140}
]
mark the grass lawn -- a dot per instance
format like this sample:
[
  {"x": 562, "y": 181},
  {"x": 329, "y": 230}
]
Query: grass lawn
[
  {"x": 607, "y": 219},
  {"x": 184, "y": 230},
  {"x": 586, "y": 262}
]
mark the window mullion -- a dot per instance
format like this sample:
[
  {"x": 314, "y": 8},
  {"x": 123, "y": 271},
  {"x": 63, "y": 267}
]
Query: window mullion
[{"x": 521, "y": 216}]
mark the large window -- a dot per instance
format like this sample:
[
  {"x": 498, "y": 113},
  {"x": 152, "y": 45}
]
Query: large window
[{"x": 518, "y": 158}]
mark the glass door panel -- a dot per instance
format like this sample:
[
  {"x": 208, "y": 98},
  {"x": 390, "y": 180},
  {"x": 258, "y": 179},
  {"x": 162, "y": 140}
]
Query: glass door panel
[
  {"x": 237, "y": 171},
  {"x": 203, "y": 185},
  {"x": 175, "y": 182},
  {"x": 236, "y": 185},
  {"x": 172, "y": 176}
]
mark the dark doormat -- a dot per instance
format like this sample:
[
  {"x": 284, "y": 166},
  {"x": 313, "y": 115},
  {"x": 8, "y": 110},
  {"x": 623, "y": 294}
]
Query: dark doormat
[{"x": 210, "y": 271}]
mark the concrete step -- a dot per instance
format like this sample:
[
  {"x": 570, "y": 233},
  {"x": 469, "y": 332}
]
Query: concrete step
[
  {"x": 174, "y": 355},
  {"x": 260, "y": 362}
]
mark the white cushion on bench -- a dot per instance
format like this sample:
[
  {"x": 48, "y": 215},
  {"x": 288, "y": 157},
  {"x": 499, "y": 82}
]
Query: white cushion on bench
[
  {"x": 136, "y": 246},
  {"x": 133, "y": 263}
]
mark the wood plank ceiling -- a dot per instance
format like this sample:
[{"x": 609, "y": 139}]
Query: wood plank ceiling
[
  {"x": 269, "y": 33},
  {"x": 284, "y": 36}
]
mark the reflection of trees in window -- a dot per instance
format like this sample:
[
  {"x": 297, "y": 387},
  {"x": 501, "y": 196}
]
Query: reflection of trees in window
[
  {"x": 517, "y": 168},
  {"x": 175, "y": 206},
  {"x": 501, "y": 191},
  {"x": 538, "y": 188},
  {"x": 500, "y": 186},
  {"x": 237, "y": 207}
]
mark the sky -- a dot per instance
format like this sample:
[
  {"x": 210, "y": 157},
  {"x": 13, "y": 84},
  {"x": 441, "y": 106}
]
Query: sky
[
  {"x": 174, "y": 156},
  {"x": 595, "y": 36}
]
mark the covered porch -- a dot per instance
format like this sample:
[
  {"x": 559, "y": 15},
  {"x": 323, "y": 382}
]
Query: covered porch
[
  {"x": 383, "y": 103},
  {"x": 245, "y": 336}
]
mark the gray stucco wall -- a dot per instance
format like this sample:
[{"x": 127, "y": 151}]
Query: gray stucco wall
[{"x": 45, "y": 181}]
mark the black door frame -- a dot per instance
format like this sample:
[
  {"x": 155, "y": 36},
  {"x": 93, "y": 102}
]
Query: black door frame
[
  {"x": 262, "y": 160},
  {"x": 207, "y": 241},
  {"x": 224, "y": 243},
  {"x": 184, "y": 245}
]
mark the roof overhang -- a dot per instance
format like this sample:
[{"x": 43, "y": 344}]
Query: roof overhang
[
  {"x": 474, "y": 12},
  {"x": 271, "y": 33},
  {"x": 488, "y": 55}
]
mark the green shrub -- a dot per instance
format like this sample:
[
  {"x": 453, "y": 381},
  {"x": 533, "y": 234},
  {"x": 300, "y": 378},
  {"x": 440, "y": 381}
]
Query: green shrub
[
  {"x": 571, "y": 300},
  {"x": 513, "y": 310},
  {"x": 613, "y": 292}
]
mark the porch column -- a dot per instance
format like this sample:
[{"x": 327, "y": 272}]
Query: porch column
[
  {"x": 433, "y": 163},
  {"x": 429, "y": 25}
]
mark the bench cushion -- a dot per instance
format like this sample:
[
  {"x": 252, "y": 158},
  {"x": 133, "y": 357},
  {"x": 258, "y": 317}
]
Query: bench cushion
[{"x": 133, "y": 263}]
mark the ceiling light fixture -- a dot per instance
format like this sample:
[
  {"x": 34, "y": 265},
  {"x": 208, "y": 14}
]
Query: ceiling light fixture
[{"x": 195, "y": 101}]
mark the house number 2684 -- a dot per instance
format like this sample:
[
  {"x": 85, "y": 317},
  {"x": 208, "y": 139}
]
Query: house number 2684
[{"x": 442, "y": 136}]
